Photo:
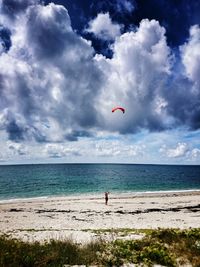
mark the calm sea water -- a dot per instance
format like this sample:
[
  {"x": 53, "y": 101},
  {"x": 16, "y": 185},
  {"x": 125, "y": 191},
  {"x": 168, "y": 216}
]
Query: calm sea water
[{"x": 22, "y": 181}]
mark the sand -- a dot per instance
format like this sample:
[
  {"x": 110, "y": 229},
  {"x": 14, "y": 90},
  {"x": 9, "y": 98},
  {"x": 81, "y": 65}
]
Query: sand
[{"x": 78, "y": 217}]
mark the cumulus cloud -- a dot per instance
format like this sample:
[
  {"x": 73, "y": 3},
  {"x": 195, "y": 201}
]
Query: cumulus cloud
[
  {"x": 60, "y": 151},
  {"x": 183, "y": 93},
  {"x": 54, "y": 88},
  {"x": 53, "y": 24},
  {"x": 142, "y": 77},
  {"x": 118, "y": 149},
  {"x": 191, "y": 55},
  {"x": 17, "y": 149},
  {"x": 195, "y": 154},
  {"x": 135, "y": 76},
  {"x": 103, "y": 27},
  {"x": 48, "y": 78},
  {"x": 179, "y": 151}
]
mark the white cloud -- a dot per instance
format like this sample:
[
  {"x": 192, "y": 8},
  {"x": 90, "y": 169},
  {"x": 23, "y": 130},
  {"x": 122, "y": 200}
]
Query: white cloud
[
  {"x": 17, "y": 149},
  {"x": 183, "y": 91},
  {"x": 118, "y": 149},
  {"x": 60, "y": 151},
  {"x": 191, "y": 55},
  {"x": 48, "y": 77},
  {"x": 135, "y": 76},
  {"x": 103, "y": 27},
  {"x": 195, "y": 154},
  {"x": 179, "y": 151}
]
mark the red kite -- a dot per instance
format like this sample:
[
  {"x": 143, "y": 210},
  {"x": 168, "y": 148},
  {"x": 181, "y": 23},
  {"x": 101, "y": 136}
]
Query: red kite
[{"x": 120, "y": 108}]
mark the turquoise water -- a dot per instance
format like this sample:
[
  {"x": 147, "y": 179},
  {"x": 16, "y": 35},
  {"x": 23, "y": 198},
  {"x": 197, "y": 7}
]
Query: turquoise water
[{"x": 24, "y": 181}]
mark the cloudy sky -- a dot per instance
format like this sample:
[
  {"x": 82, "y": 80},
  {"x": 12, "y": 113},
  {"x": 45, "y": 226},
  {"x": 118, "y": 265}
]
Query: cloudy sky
[{"x": 65, "y": 64}]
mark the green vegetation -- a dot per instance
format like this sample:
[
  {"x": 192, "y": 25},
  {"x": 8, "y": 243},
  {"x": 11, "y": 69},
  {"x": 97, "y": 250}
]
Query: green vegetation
[{"x": 167, "y": 247}]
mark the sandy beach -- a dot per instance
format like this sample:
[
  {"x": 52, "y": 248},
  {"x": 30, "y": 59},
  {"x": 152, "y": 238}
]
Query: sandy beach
[{"x": 78, "y": 217}]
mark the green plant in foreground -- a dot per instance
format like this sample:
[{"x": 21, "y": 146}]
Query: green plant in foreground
[
  {"x": 136, "y": 251},
  {"x": 167, "y": 247},
  {"x": 157, "y": 253},
  {"x": 14, "y": 253}
]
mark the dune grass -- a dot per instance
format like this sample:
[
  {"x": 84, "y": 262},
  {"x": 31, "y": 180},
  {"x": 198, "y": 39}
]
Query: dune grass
[{"x": 167, "y": 247}]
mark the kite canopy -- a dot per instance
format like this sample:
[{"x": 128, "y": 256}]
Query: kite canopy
[{"x": 120, "y": 108}]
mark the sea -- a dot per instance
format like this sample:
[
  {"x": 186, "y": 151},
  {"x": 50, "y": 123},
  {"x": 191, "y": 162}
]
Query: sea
[{"x": 46, "y": 180}]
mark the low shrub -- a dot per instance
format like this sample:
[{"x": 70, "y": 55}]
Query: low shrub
[{"x": 168, "y": 247}]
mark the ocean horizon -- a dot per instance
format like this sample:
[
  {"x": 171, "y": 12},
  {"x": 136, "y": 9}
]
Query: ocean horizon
[{"x": 67, "y": 179}]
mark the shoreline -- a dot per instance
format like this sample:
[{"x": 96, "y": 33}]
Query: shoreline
[{"x": 98, "y": 195}]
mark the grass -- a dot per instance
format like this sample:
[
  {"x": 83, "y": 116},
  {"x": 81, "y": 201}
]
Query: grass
[
  {"x": 167, "y": 247},
  {"x": 15, "y": 253}
]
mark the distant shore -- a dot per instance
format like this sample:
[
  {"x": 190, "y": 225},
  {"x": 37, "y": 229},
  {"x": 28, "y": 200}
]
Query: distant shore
[{"x": 78, "y": 217}]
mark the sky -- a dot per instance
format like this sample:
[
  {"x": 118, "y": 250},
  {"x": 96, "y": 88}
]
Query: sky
[{"x": 65, "y": 64}]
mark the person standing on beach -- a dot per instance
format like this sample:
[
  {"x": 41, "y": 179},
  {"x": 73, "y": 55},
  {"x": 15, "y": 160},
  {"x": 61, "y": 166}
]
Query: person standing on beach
[{"x": 106, "y": 198}]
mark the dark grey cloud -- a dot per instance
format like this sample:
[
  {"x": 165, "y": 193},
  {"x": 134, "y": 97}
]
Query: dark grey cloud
[
  {"x": 19, "y": 129},
  {"x": 16, "y": 133},
  {"x": 75, "y": 134}
]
